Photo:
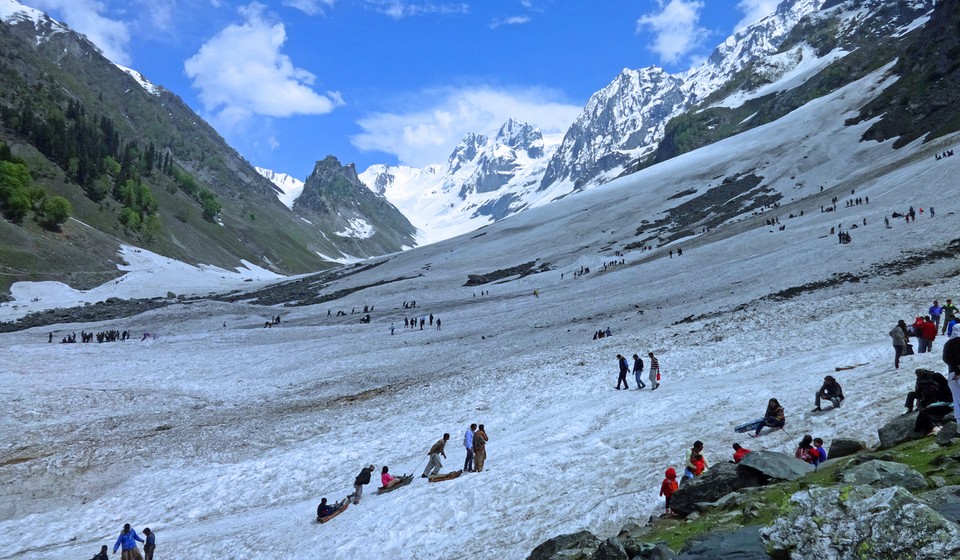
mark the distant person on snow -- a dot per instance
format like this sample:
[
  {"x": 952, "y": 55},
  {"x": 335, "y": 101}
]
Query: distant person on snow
[
  {"x": 935, "y": 311},
  {"x": 435, "y": 452},
  {"x": 668, "y": 487},
  {"x": 468, "y": 445},
  {"x": 695, "y": 463},
  {"x": 928, "y": 333},
  {"x": 127, "y": 542},
  {"x": 899, "y": 335},
  {"x": 624, "y": 369},
  {"x": 358, "y": 483},
  {"x": 774, "y": 417},
  {"x": 386, "y": 479},
  {"x": 831, "y": 391},
  {"x": 739, "y": 452},
  {"x": 654, "y": 375},
  {"x": 949, "y": 313},
  {"x": 102, "y": 555},
  {"x": 637, "y": 371},
  {"x": 480, "y": 440}
]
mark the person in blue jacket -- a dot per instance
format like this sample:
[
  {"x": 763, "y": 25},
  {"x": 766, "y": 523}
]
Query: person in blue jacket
[
  {"x": 638, "y": 371},
  {"x": 127, "y": 542}
]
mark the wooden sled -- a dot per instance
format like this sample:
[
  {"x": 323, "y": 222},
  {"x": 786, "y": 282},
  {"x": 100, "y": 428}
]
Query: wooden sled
[
  {"x": 442, "y": 477},
  {"x": 844, "y": 368},
  {"x": 341, "y": 507},
  {"x": 404, "y": 480}
]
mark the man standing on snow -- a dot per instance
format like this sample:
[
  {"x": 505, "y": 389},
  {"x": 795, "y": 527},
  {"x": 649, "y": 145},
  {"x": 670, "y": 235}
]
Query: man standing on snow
[
  {"x": 624, "y": 369},
  {"x": 127, "y": 541},
  {"x": 928, "y": 332},
  {"x": 654, "y": 371},
  {"x": 468, "y": 444},
  {"x": 949, "y": 313},
  {"x": 935, "y": 311},
  {"x": 362, "y": 478},
  {"x": 435, "y": 452}
]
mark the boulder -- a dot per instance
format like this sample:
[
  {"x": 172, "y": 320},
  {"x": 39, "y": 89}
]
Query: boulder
[
  {"x": 638, "y": 550},
  {"x": 574, "y": 541},
  {"x": 743, "y": 544},
  {"x": 777, "y": 466},
  {"x": 884, "y": 474},
  {"x": 947, "y": 434},
  {"x": 861, "y": 522},
  {"x": 898, "y": 430},
  {"x": 611, "y": 549},
  {"x": 718, "y": 481},
  {"x": 844, "y": 447},
  {"x": 945, "y": 501}
]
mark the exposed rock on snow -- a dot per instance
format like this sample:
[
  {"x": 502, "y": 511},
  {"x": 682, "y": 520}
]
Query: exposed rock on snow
[
  {"x": 862, "y": 522},
  {"x": 844, "y": 447},
  {"x": 776, "y": 466},
  {"x": 718, "y": 481},
  {"x": 885, "y": 474}
]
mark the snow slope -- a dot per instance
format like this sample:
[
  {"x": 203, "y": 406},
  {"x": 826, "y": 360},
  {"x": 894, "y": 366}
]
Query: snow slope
[{"x": 223, "y": 439}]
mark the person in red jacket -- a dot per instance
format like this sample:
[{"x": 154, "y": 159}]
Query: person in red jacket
[
  {"x": 739, "y": 452},
  {"x": 928, "y": 332},
  {"x": 668, "y": 487}
]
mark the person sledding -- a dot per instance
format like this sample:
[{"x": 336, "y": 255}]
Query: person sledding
[
  {"x": 831, "y": 391},
  {"x": 774, "y": 417},
  {"x": 326, "y": 511}
]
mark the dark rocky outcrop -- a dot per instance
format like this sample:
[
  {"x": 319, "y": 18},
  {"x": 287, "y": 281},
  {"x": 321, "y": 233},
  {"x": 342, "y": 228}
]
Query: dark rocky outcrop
[
  {"x": 844, "y": 447},
  {"x": 573, "y": 541},
  {"x": 743, "y": 544},
  {"x": 898, "y": 430},
  {"x": 884, "y": 474},
  {"x": 947, "y": 434},
  {"x": 715, "y": 483}
]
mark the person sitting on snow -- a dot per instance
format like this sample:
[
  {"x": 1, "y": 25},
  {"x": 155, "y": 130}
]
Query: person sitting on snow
[
  {"x": 774, "y": 417},
  {"x": 831, "y": 391}
]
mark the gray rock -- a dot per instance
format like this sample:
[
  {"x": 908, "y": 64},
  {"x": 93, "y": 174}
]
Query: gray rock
[
  {"x": 945, "y": 501},
  {"x": 611, "y": 549},
  {"x": 885, "y": 474},
  {"x": 773, "y": 465},
  {"x": 742, "y": 544},
  {"x": 861, "y": 522},
  {"x": 573, "y": 541},
  {"x": 844, "y": 447},
  {"x": 718, "y": 481},
  {"x": 898, "y": 430},
  {"x": 947, "y": 434},
  {"x": 637, "y": 549}
]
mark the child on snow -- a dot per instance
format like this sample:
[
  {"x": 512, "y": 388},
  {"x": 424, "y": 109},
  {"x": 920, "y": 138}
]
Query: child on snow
[{"x": 668, "y": 487}]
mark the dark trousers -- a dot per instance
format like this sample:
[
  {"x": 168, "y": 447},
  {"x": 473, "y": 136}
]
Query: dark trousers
[
  {"x": 622, "y": 379},
  {"x": 148, "y": 551},
  {"x": 898, "y": 351},
  {"x": 912, "y": 397},
  {"x": 468, "y": 462}
]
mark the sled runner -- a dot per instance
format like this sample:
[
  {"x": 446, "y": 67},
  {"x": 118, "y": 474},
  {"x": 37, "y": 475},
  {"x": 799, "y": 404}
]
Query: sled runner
[
  {"x": 442, "y": 477},
  {"x": 749, "y": 426},
  {"x": 404, "y": 480},
  {"x": 340, "y": 506}
]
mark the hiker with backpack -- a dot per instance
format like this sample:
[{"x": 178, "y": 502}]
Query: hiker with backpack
[
  {"x": 831, "y": 391},
  {"x": 774, "y": 417}
]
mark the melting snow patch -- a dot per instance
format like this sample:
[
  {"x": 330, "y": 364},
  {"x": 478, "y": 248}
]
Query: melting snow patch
[{"x": 358, "y": 229}]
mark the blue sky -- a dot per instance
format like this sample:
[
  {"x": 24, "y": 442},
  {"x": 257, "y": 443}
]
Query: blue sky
[{"x": 288, "y": 82}]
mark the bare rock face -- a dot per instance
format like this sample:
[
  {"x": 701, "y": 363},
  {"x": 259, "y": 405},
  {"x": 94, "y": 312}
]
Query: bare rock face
[
  {"x": 885, "y": 474},
  {"x": 843, "y": 447},
  {"x": 861, "y": 522}
]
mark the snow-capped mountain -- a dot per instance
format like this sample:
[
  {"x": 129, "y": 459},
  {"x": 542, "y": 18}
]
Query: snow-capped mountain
[
  {"x": 484, "y": 179},
  {"x": 289, "y": 186}
]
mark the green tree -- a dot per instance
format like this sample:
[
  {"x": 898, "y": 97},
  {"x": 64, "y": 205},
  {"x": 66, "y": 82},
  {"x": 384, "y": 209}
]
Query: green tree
[
  {"x": 56, "y": 210},
  {"x": 152, "y": 228},
  {"x": 130, "y": 219},
  {"x": 37, "y": 197},
  {"x": 17, "y": 205}
]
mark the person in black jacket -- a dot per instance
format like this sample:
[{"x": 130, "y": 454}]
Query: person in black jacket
[
  {"x": 831, "y": 391},
  {"x": 362, "y": 478},
  {"x": 951, "y": 357},
  {"x": 624, "y": 370},
  {"x": 102, "y": 555}
]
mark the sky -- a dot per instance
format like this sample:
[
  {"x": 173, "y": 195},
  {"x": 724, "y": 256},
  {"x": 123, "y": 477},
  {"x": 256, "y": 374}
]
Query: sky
[{"x": 288, "y": 82}]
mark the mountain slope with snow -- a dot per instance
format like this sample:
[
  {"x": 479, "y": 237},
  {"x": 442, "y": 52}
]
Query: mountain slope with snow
[
  {"x": 236, "y": 430},
  {"x": 289, "y": 187}
]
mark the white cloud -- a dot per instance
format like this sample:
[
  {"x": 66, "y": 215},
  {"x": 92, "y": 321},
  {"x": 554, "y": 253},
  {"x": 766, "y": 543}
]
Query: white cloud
[
  {"x": 676, "y": 28},
  {"x": 241, "y": 73},
  {"x": 427, "y": 134},
  {"x": 310, "y": 7},
  {"x": 111, "y": 36},
  {"x": 754, "y": 10},
  {"x": 514, "y": 20},
  {"x": 399, "y": 9}
]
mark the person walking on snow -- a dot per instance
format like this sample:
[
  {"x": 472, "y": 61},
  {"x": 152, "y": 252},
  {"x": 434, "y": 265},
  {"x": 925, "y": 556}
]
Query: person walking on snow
[
  {"x": 624, "y": 369},
  {"x": 435, "y": 452},
  {"x": 899, "y": 335},
  {"x": 480, "y": 440},
  {"x": 637, "y": 371},
  {"x": 151, "y": 544},
  {"x": 127, "y": 541},
  {"x": 358, "y": 483},
  {"x": 935, "y": 311},
  {"x": 654, "y": 371},
  {"x": 468, "y": 445}
]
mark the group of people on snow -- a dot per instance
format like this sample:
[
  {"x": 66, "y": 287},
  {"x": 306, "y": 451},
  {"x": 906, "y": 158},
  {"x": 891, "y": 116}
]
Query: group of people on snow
[
  {"x": 653, "y": 376},
  {"x": 127, "y": 544},
  {"x": 924, "y": 328}
]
